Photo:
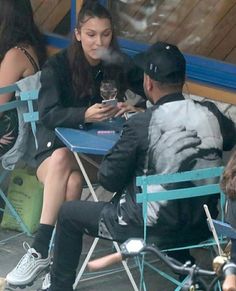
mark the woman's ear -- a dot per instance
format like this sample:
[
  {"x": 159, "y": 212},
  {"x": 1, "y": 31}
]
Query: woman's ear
[{"x": 77, "y": 34}]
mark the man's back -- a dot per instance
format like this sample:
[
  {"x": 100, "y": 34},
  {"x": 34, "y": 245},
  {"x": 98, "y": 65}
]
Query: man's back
[
  {"x": 192, "y": 116},
  {"x": 156, "y": 142},
  {"x": 138, "y": 152},
  {"x": 186, "y": 217}
]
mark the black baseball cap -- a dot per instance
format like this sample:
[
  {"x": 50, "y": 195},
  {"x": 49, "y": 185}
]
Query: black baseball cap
[{"x": 163, "y": 62}]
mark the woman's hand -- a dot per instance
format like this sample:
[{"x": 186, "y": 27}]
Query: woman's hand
[
  {"x": 100, "y": 112},
  {"x": 124, "y": 107},
  {"x": 229, "y": 283}
]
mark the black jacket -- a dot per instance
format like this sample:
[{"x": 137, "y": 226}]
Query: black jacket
[
  {"x": 58, "y": 104},
  {"x": 131, "y": 156}
]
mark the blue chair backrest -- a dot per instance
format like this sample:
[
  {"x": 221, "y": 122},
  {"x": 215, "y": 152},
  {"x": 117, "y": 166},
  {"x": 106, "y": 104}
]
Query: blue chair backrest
[
  {"x": 25, "y": 101},
  {"x": 208, "y": 188}
]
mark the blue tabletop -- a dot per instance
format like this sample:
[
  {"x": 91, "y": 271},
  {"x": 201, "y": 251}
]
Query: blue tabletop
[{"x": 97, "y": 139}]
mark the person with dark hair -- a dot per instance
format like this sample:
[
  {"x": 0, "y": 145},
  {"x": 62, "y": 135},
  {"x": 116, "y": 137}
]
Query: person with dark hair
[
  {"x": 228, "y": 185},
  {"x": 22, "y": 44},
  {"x": 171, "y": 135},
  {"x": 70, "y": 97}
]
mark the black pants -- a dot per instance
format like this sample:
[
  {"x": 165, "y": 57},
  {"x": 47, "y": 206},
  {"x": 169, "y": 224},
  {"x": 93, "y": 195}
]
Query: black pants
[{"x": 75, "y": 219}]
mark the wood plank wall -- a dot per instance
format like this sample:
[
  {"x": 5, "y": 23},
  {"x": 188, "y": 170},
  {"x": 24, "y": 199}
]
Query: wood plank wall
[
  {"x": 200, "y": 27},
  {"x": 216, "y": 23},
  {"x": 49, "y": 13},
  {"x": 210, "y": 92}
]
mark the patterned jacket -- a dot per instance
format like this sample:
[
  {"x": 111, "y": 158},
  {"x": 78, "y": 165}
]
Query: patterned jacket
[{"x": 135, "y": 152}]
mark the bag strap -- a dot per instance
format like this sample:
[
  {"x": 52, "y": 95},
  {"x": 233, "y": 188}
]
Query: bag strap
[{"x": 30, "y": 58}]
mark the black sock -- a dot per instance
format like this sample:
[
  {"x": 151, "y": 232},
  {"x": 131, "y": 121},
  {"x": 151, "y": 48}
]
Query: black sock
[{"x": 42, "y": 239}]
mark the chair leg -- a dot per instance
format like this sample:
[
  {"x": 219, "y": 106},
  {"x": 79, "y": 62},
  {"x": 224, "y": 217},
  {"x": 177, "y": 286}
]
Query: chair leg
[
  {"x": 218, "y": 287},
  {"x": 14, "y": 213},
  {"x": 81, "y": 271},
  {"x": 140, "y": 263},
  {"x": 127, "y": 269}
]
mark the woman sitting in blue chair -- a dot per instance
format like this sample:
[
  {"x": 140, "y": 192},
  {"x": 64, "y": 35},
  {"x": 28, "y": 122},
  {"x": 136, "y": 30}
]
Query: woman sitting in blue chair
[{"x": 21, "y": 44}]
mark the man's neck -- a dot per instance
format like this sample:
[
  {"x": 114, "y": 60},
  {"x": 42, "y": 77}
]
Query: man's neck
[{"x": 158, "y": 94}]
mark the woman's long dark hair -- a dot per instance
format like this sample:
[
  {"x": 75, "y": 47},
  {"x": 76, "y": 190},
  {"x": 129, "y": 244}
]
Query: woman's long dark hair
[
  {"x": 80, "y": 68},
  {"x": 228, "y": 180},
  {"x": 17, "y": 26}
]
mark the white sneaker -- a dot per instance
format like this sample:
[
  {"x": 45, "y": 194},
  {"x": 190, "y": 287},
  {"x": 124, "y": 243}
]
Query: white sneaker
[
  {"x": 30, "y": 265},
  {"x": 46, "y": 282}
]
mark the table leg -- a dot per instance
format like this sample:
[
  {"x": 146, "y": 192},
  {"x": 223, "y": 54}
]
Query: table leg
[
  {"x": 89, "y": 160},
  {"x": 81, "y": 271},
  {"x": 85, "y": 176}
]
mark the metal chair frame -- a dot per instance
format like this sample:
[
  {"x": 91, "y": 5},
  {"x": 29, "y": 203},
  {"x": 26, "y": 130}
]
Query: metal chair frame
[
  {"x": 197, "y": 191},
  {"x": 23, "y": 98}
]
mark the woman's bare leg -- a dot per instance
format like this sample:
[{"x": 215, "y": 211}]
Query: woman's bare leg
[
  {"x": 62, "y": 181},
  {"x": 59, "y": 174}
]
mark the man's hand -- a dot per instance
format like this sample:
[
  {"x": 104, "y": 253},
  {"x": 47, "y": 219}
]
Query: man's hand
[
  {"x": 174, "y": 150},
  {"x": 125, "y": 108},
  {"x": 229, "y": 283}
]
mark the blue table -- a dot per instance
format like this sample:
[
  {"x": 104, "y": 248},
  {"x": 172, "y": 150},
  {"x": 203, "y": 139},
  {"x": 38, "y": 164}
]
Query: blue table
[{"x": 94, "y": 140}]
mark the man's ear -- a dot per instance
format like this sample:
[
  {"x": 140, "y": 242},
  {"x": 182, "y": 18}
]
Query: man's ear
[
  {"x": 77, "y": 34},
  {"x": 148, "y": 83}
]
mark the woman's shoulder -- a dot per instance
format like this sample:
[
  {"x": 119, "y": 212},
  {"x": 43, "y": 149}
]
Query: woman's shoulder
[{"x": 15, "y": 56}]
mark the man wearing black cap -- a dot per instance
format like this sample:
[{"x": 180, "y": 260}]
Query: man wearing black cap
[{"x": 174, "y": 134}]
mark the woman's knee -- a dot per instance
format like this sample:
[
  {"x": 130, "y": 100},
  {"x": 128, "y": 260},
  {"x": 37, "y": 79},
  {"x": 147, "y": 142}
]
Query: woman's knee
[
  {"x": 61, "y": 156},
  {"x": 62, "y": 160}
]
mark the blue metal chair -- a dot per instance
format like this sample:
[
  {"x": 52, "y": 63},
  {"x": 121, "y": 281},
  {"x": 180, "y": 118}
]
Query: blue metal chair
[
  {"x": 146, "y": 196},
  {"x": 26, "y": 95}
]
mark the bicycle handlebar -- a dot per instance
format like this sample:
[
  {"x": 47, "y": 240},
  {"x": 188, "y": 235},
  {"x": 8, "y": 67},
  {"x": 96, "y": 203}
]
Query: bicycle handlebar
[
  {"x": 177, "y": 267},
  {"x": 134, "y": 247}
]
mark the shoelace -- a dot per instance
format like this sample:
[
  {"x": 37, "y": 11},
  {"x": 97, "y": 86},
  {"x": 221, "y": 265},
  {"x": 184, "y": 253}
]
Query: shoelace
[{"x": 26, "y": 259}]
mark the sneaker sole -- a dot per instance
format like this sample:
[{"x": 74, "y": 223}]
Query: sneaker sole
[{"x": 30, "y": 281}]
